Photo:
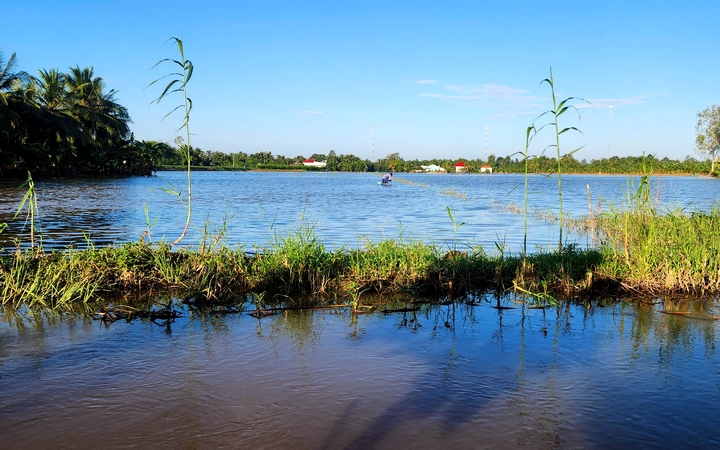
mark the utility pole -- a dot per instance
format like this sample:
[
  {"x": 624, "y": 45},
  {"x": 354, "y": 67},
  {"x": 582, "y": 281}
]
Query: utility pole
[
  {"x": 486, "y": 143},
  {"x": 609, "y": 131}
]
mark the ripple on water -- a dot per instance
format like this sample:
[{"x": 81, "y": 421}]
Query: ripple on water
[{"x": 458, "y": 376}]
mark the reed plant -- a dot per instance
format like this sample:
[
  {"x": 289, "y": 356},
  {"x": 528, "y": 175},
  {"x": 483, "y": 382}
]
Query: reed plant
[
  {"x": 642, "y": 252},
  {"x": 29, "y": 202},
  {"x": 179, "y": 83},
  {"x": 555, "y": 113},
  {"x": 455, "y": 224},
  {"x": 390, "y": 265},
  {"x": 675, "y": 251},
  {"x": 530, "y": 133},
  {"x": 298, "y": 261},
  {"x": 49, "y": 281}
]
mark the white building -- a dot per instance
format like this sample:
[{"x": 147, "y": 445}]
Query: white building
[
  {"x": 433, "y": 168},
  {"x": 313, "y": 163}
]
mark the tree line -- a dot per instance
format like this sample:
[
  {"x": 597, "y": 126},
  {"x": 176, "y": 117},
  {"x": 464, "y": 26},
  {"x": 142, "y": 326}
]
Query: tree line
[
  {"x": 64, "y": 123},
  {"x": 70, "y": 123},
  {"x": 174, "y": 157}
]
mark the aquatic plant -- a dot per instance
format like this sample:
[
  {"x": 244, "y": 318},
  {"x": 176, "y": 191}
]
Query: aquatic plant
[
  {"x": 29, "y": 201},
  {"x": 455, "y": 224},
  {"x": 453, "y": 193},
  {"x": 556, "y": 112},
  {"x": 179, "y": 83},
  {"x": 642, "y": 251},
  {"x": 530, "y": 133}
]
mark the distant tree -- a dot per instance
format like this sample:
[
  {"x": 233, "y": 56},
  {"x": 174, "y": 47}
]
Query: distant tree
[
  {"x": 392, "y": 162},
  {"x": 219, "y": 159},
  {"x": 332, "y": 161},
  {"x": 707, "y": 140}
]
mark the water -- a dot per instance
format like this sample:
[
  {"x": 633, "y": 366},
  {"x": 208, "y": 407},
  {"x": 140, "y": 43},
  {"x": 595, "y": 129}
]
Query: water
[
  {"x": 464, "y": 377},
  {"x": 604, "y": 375},
  {"x": 344, "y": 208}
]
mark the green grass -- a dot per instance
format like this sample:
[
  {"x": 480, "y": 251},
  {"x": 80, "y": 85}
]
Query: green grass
[
  {"x": 642, "y": 252},
  {"x": 672, "y": 253}
]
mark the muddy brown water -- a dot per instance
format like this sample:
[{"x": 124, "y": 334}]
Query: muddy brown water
[{"x": 607, "y": 375}]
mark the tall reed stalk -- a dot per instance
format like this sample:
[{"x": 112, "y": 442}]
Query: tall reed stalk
[
  {"x": 456, "y": 225},
  {"x": 529, "y": 135},
  {"x": 179, "y": 83},
  {"x": 30, "y": 201},
  {"x": 558, "y": 110}
]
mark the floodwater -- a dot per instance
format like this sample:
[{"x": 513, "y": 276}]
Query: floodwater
[
  {"x": 252, "y": 209},
  {"x": 603, "y": 375}
]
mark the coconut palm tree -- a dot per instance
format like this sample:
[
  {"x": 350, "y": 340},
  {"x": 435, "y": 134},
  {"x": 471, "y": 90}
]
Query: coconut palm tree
[
  {"x": 9, "y": 101},
  {"x": 103, "y": 120}
]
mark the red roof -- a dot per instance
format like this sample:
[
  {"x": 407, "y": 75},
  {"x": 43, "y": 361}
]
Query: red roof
[
  {"x": 486, "y": 166},
  {"x": 460, "y": 164},
  {"x": 309, "y": 161}
]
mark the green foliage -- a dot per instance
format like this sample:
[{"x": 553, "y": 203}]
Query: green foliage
[
  {"x": 675, "y": 252},
  {"x": 63, "y": 123},
  {"x": 29, "y": 201},
  {"x": 642, "y": 252},
  {"x": 558, "y": 110},
  {"x": 179, "y": 84},
  {"x": 707, "y": 140},
  {"x": 456, "y": 225}
]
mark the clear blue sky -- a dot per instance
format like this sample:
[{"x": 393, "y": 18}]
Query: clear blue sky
[{"x": 296, "y": 78}]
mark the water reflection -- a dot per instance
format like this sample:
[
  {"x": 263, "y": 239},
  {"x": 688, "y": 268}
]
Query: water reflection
[{"x": 456, "y": 375}]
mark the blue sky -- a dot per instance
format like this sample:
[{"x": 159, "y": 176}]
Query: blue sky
[{"x": 296, "y": 78}]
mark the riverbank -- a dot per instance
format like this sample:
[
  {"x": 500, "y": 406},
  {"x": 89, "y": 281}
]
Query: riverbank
[{"x": 642, "y": 253}]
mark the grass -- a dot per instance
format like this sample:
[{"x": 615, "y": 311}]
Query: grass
[
  {"x": 675, "y": 252},
  {"x": 453, "y": 193},
  {"x": 641, "y": 252}
]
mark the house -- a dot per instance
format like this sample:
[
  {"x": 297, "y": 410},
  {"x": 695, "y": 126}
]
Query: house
[
  {"x": 432, "y": 168},
  {"x": 486, "y": 169},
  {"x": 460, "y": 167},
  {"x": 312, "y": 163}
]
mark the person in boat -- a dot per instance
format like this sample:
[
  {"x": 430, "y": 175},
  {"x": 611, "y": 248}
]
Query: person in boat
[{"x": 386, "y": 179}]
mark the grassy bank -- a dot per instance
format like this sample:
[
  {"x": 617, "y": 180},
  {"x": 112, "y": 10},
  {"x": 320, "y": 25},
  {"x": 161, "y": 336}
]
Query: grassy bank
[
  {"x": 642, "y": 253},
  {"x": 676, "y": 252},
  {"x": 299, "y": 267}
]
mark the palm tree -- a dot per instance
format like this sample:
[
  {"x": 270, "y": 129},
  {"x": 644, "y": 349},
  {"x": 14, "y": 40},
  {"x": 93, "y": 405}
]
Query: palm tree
[
  {"x": 9, "y": 101},
  {"x": 104, "y": 121},
  {"x": 93, "y": 106}
]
